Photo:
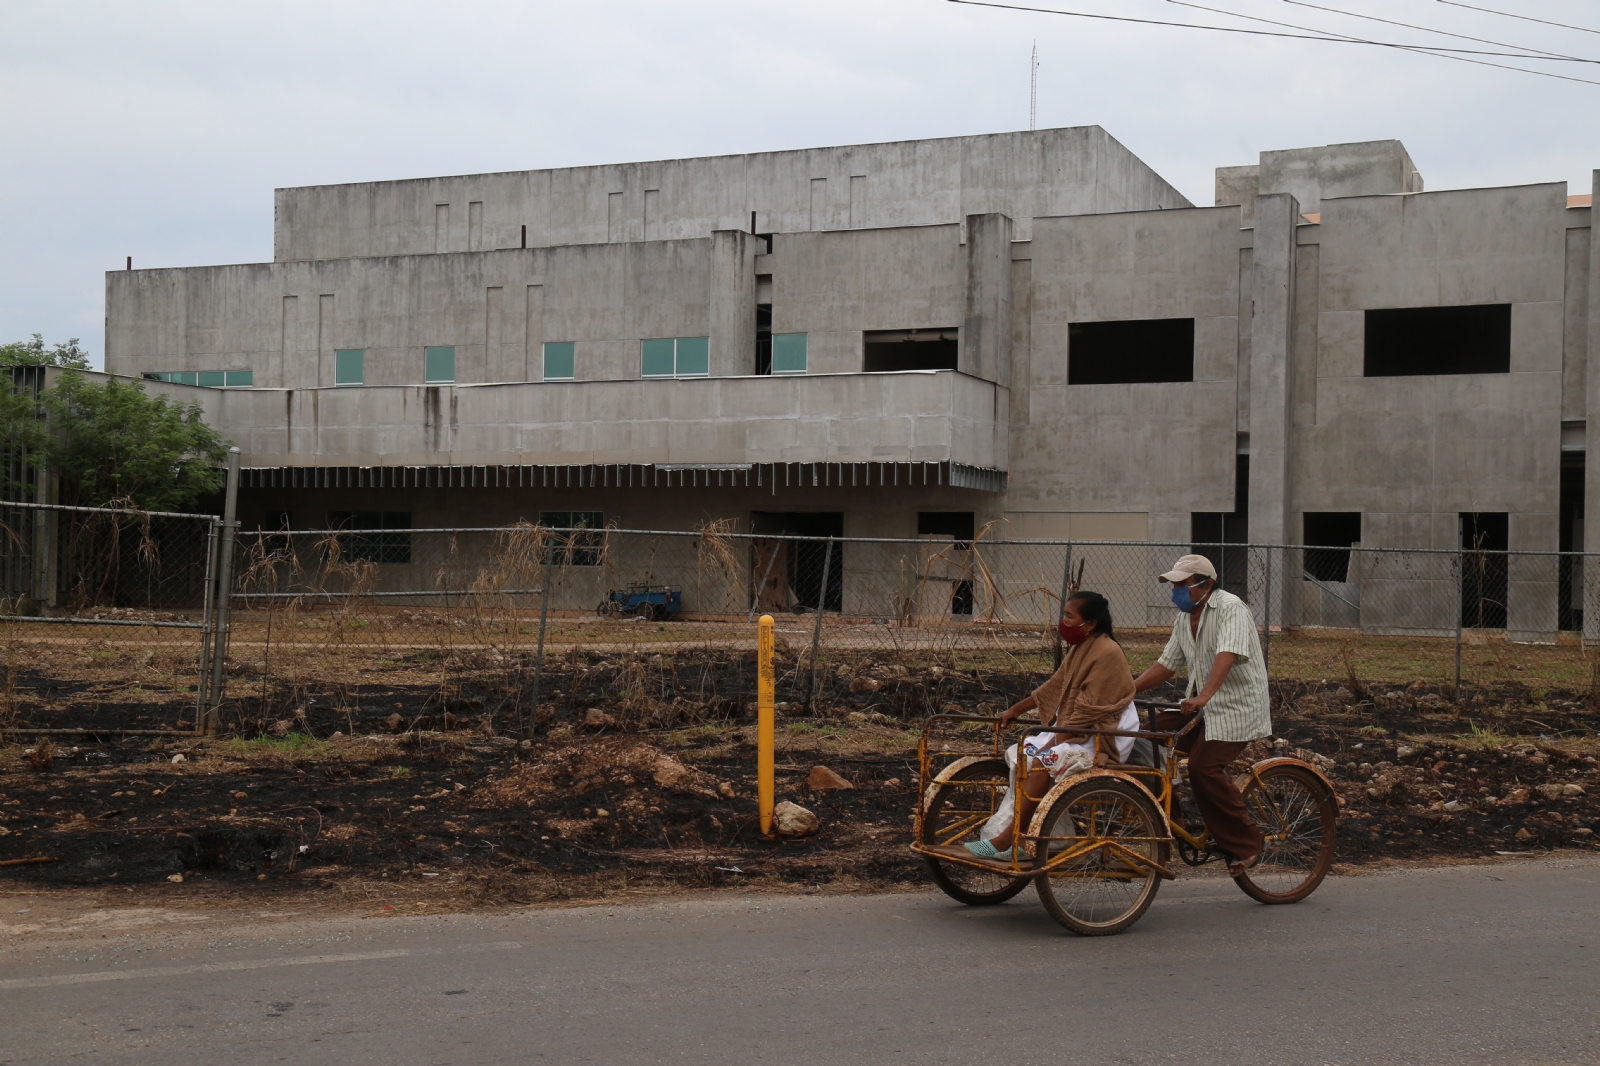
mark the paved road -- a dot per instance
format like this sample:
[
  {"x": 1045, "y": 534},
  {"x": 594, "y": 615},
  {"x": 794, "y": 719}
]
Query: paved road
[{"x": 1479, "y": 964}]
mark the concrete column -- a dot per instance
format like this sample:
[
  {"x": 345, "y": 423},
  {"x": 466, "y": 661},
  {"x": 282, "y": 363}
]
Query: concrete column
[
  {"x": 733, "y": 302},
  {"x": 986, "y": 327},
  {"x": 1272, "y": 388},
  {"x": 1591, "y": 469}
]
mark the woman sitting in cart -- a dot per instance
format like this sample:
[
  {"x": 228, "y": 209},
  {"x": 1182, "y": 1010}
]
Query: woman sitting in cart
[{"x": 1092, "y": 689}]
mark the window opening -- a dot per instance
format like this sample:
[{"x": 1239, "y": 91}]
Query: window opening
[
  {"x": 560, "y": 360},
  {"x": 440, "y": 365},
  {"x": 1136, "y": 352},
  {"x": 889, "y": 350},
  {"x": 1485, "y": 537},
  {"x": 1570, "y": 598},
  {"x": 211, "y": 379},
  {"x": 1409, "y": 341},
  {"x": 349, "y": 366},
  {"x": 959, "y": 526},
  {"x": 389, "y": 541},
  {"x": 1328, "y": 536},
  {"x": 578, "y": 540},
  {"x": 793, "y": 568}
]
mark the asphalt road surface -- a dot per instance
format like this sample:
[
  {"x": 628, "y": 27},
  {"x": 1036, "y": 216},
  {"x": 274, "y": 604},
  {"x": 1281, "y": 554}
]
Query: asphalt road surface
[{"x": 1471, "y": 964}]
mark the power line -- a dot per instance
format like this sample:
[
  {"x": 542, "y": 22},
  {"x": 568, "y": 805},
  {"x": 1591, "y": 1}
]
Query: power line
[
  {"x": 1524, "y": 18},
  {"x": 1444, "y": 33},
  {"x": 1433, "y": 50}
]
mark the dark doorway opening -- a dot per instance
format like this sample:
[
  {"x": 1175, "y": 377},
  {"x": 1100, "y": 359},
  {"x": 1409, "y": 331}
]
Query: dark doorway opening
[
  {"x": 1224, "y": 536},
  {"x": 1485, "y": 538},
  {"x": 1328, "y": 536},
  {"x": 1571, "y": 540},
  {"x": 960, "y": 527},
  {"x": 788, "y": 573},
  {"x": 763, "y": 338},
  {"x": 910, "y": 349}
]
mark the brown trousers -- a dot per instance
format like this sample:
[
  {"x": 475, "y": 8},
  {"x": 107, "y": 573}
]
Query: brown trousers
[{"x": 1220, "y": 803}]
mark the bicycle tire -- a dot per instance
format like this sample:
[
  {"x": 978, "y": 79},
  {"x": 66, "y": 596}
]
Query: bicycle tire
[
  {"x": 1299, "y": 849},
  {"x": 951, "y": 806},
  {"x": 1100, "y": 894}
]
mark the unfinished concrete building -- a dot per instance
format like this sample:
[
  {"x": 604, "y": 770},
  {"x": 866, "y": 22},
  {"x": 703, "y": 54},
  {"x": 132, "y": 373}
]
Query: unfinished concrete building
[{"x": 1032, "y": 329}]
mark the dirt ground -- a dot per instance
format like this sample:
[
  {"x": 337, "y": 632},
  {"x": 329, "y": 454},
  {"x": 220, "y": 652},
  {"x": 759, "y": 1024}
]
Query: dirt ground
[{"x": 619, "y": 793}]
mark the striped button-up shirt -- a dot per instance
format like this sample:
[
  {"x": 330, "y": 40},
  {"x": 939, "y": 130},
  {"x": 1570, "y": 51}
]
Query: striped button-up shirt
[{"x": 1240, "y": 710}]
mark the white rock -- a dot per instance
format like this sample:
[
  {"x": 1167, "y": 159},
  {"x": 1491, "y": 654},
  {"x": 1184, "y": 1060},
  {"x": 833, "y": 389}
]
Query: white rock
[
  {"x": 1571, "y": 791},
  {"x": 176, "y": 879},
  {"x": 1454, "y": 805},
  {"x": 180, "y": 757},
  {"x": 793, "y": 820}
]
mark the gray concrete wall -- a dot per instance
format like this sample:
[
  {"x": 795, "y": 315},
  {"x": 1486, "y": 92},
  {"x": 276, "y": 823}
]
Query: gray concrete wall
[
  {"x": 1161, "y": 450},
  {"x": 834, "y": 286},
  {"x": 903, "y": 183},
  {"x": 1362, "y": 168}
]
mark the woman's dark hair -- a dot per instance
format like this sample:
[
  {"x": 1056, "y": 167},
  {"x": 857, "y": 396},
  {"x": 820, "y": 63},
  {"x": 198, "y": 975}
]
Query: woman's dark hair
[{"x": 1094, "y": 608}]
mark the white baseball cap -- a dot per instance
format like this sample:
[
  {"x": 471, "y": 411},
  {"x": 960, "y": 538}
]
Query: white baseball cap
[{"x": 1188, "y": 566}]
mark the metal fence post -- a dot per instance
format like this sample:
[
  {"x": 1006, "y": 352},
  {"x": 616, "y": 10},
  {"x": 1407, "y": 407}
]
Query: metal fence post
[
  {"x": 538, "y": 655},
  {"x": 816, "y": 632},
  {"x": 1266, "y": 650},
  {"x": 1066, "y": 586},
  {"x": 219, "y": 654},
  {"x": 207, "y": 626},
  {"x": 1460, "y": 588}
]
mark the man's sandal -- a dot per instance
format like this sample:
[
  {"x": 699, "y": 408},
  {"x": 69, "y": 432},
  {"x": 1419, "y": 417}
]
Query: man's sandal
[{"x": 1239, "y": 867}]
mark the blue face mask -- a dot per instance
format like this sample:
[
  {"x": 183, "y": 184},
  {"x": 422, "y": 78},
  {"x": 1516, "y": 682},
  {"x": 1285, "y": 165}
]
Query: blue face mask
[{"x": 1181, "y": 597}]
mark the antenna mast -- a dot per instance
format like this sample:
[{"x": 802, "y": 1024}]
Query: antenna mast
[{"x": 1033, "y": 89}]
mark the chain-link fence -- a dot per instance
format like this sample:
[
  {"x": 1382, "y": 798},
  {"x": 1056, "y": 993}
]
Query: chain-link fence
[
  {"x": 103, "y": 618},
  {"x": 440, "y": 628}
]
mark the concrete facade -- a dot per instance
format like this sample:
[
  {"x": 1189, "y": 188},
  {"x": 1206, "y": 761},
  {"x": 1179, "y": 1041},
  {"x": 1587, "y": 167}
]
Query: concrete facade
[{"x": 1006, "y": 244}]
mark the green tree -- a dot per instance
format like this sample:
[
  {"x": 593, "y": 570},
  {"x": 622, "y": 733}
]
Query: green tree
[
  {"x": 33, "y": 353},
  {"x": 110, "y": 441}
]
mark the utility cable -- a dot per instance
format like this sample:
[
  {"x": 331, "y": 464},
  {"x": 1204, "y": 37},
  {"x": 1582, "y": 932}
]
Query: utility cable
[
  {"x": 1443, "y": 51},
  {"x": 1433, "y": 50},
  {"x": 1511, "y": 15},
  {"x": 1444, "y": 33}
]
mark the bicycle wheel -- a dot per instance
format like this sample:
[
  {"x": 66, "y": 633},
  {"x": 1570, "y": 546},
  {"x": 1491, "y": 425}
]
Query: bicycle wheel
[
  {"x": 959, "y": 809},
  {"x": 1296, "y": 811},
  {"x": 1100, "y": 892}
]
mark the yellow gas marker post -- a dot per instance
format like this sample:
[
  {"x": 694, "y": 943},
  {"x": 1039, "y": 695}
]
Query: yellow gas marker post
[{"x": 766, "y": 682}]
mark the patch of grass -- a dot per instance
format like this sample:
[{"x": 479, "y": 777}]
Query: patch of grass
[
  {"x": 1476, "y": 737},
  {"x": 1374, "y": 731},
  {"x": 293, "y": 745},
  {"x": 399, "y": 771}
]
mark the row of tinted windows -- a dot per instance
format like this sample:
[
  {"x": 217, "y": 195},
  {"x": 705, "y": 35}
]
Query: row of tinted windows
[
  {"x": 210, "y": 379},
  {"x": 1399, "y": 342},
  {"x": 662, "y": 357}
]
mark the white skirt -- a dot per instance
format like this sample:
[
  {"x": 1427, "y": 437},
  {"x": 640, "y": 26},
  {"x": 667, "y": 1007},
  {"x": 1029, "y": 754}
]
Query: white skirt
[{"x": 1061, "y": 759}]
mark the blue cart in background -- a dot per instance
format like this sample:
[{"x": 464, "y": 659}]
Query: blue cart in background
[{"x": 655, "y": 602}]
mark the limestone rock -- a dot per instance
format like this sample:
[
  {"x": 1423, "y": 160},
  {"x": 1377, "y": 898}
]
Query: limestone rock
[
  {"x": 595, "y": 718},
  {"x": 793, "y": 820},
  {"x": 822, "y": 779},
  {"x": 180, "y": 757},
  {"x": 865, "y": 684},
  {"x": 1548, "y": 791},
  {"x": 1571, "y": 791}
]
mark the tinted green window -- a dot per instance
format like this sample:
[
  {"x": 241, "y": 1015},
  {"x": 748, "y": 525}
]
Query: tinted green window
[
  {"x": 694, "y": 356},
  {"x": 441, "y": 365},
  {"x": 656, "y": 358},
  {"x": 240, "y": 379},
  {"x": 788, "y": 353},
  {"x": 211, "y": 379},
  {"x": 560, "y": 360},
  {"x": 349, "y": 366},
  {"x": 185, "y": 377}
]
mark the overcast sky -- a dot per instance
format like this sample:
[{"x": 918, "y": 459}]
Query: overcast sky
[{"x": 159, "y": 129}]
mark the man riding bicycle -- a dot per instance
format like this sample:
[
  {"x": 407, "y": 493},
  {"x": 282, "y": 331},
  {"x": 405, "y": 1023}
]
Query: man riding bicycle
[{"x": 1214, "y": 642}]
